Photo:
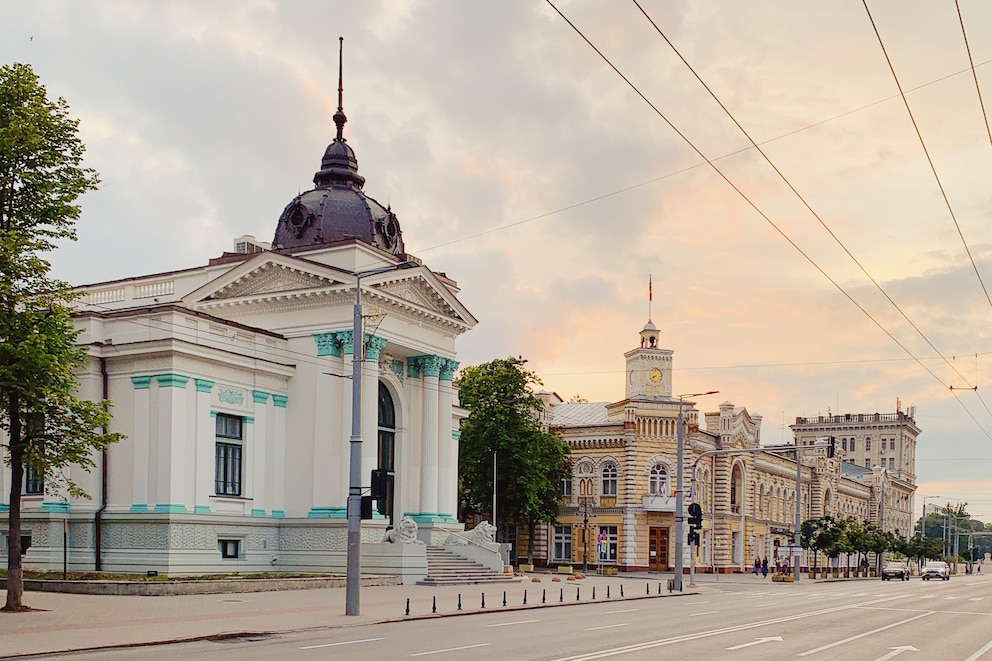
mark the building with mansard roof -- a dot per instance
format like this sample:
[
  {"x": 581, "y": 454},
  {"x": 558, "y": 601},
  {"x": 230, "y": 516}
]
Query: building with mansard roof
[
  {"x": 231, "y": 384},
  {"x": 619, "y": 505}
]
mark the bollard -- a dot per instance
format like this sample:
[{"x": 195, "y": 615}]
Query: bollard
[
  {"x": 594, "y": 593},
  {"x": 459, "y": 601},
  {"x": 408, "y": 605},
  {"x": 647, "y": 588},
  {"x": 577, "y": 593},
  {"x": 561, "y": 595},
  {"x": 483, "y": 599},
  {"x": 434, "y": 604},
  {"x": 544, "y": 596},
  {"x": 659, "y": 587},
  {"x": 525, "y": 597},
  {"x": 607, "y": 591},
  {"x": 621, "y": 589}
]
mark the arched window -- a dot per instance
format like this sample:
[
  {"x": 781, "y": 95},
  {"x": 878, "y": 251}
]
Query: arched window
[
  {"x": 387, "y": 441},
  {"x": 609, "y": 480},
  {"x": 658, "y": 481}
]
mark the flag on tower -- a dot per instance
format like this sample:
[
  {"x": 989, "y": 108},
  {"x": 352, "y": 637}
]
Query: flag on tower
[{"x": 650, "y": 294}]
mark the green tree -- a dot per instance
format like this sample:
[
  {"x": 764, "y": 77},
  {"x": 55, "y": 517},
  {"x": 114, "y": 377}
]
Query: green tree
[
  {"x": 46, "y": 427},
  {"x": 504, "y": 428}
]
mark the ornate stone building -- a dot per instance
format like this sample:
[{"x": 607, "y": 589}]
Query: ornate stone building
[
  {"x": 231, "y": 384},
  {"x": 623, "y": 486}
]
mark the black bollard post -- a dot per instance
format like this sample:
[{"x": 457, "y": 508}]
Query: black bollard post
[
  {"x": 525, "y": 597},
  {"x": 408, "y": 605},
  {"x": 621, "y": 589},
  {"x": 483, "y": 599},
  {"x": 647, "y": 588},
  {"x": 659, "y": 588},
  {"x": 561, "y": 596},
  {"x": 544, "y": 595},
  {"x": 594, "y": 593},
  {"x": 504, "y": 598},
  {"x": 577, "y": 588},
  {"x": 607, "y": 591},
  {"x": 459, "y": 601},
  {"x": 434, "y": 604}
]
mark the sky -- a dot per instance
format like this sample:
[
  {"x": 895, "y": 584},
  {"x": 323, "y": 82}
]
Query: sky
[{"x": 525, "y": 167}]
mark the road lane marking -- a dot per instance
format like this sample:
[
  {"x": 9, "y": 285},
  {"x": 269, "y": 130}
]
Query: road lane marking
[
  {"x": 698, "y": 603},
  {"x": 896, "y": 651},
  {"x": 756, "y": 641},
  {"x": 640, "y": 647},
  {"x": 347, "y": 642},
  {"x": 706, "y": 613},
  {"x": 628, "y": 610},
  {"x": 976, "y": 598},
  {"x": 510, "y": 624},
  {"x": 451, "y": 649},
  {"x": 865, "y": 634},
  {"x": 771, "y": 603},
  {"x": 608, "y": 626},
  {"x": 985, "y": 648}
]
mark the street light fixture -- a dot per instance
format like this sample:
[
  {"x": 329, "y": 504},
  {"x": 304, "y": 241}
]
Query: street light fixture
[
  {"x": 354, "y": 551},
  {"x": 679, "y": 498}
]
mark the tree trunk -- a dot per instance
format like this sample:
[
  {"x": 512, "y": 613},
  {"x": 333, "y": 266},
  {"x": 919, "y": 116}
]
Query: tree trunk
[
  {"x": 15, "y": 573},
  {"x": 530, "y": 543}
]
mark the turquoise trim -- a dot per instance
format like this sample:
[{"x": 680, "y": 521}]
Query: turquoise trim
[
  {"x": 203, "y": 385},
  {"x": 201, "y": 509},
  {"x": 249, "y": 420},
  {"x": 344, "y": 337},
  {"x": 396, "y": 367},
  {"x": 171, "y": 380},
  {"x": 170, "y": 508},
  {"x": 4, "y": 507},
  {"x": 431, "y": 517},
  {"x": 137, "y": 508},
  {"x": 413, "y": 370},
  {"x": 141, "y": 382},
  {"x": 213, "y": 414},
  {"x": 375, "y": 346},
  {"x": 278, "y": 514},
  {"x": 448, "y": 368},
  {"x": 260, "y": 396},
  {"x": 328, "y": 513},
  {"x": 328, "y": 344},
  {"x": 456, "y": 434},
  {"x": 258, "y": 513},
  {"x": 53, "y": 507},
  {"x": 429, "y": 364},
  {"x": 279, "y": 401}
]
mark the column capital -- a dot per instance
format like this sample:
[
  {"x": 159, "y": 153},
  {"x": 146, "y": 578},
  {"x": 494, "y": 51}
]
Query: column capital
[
  {"x": 375, "y": 345},
  {"x": 328, "y": 344},
  {"x": 448, "y": 368},
  {"x": 203, "y": 385},
  {"x": 429, "y": 364}
]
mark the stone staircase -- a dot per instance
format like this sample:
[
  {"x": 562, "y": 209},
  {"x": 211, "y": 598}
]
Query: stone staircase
[{"x": 447, "y": 568}]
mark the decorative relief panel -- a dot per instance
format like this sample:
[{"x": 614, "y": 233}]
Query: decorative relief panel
[
  {"x": 231, "y": 396},
  {"x": 316, "y": 539}
]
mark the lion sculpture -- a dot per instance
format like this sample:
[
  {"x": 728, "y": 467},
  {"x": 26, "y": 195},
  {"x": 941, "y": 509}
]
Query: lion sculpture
[
  {"x": 483, "y": 535},
  {"x": 405, "y": 532}
]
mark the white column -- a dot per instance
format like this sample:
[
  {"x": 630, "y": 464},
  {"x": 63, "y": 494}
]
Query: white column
[
  {"x": 140, "y": 440},
  {"x": 258, "y": 449},
  {"x": 206, "y": 441},
  {"x": 447, "y": 488},
  {"x": 428, "y": 437},
  {"x": 171, "y": 442},
  {"x": 278, "y": 498}
]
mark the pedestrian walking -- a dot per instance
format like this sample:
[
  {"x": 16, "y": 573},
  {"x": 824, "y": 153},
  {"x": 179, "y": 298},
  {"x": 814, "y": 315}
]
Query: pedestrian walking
[
  {"x": 757, "y": 565},
  {"x": 764, "y": 568}
]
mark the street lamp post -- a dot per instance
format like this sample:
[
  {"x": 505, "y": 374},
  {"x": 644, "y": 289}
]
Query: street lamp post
[
  {"x": 679, "y": 498},
  {"x": 354, "y": 550},
  {"x": 923, "y": 522}
]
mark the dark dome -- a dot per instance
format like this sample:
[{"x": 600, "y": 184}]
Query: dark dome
[{"x": 338, "y": 209}]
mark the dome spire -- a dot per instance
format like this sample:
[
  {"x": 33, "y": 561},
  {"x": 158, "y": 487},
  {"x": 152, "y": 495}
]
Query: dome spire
[{"x": 339, "y": 116}]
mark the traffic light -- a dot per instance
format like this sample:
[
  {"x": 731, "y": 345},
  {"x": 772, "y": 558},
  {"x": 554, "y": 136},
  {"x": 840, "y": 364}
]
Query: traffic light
[
  {"x": 693, "y": 537},
  {"x": 382, "y": 490},
  {"x": 695, "y": 515}
]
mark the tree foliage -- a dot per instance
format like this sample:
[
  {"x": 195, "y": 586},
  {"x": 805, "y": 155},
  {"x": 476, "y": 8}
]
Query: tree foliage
[
  {"x": 504, "y": 419},
  {"x": 46, "y": 427}
]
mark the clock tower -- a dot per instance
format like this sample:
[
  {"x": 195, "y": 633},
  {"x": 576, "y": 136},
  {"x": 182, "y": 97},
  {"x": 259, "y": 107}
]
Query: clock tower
[{"x": 649, "y": 367}]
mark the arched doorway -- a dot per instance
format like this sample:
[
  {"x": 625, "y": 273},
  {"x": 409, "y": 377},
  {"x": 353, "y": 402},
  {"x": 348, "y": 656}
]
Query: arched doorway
[{"x": 387, "y": 443}]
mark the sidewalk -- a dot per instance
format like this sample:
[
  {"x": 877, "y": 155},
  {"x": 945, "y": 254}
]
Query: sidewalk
[{"x": 67, "y": 622}]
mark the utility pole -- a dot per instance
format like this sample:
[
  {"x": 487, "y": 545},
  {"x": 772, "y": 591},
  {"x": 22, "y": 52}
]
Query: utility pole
[{"x": 679, "y": 496}]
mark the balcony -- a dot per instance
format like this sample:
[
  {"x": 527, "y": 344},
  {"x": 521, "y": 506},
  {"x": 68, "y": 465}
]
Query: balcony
[{"x": 659, "y": 503}]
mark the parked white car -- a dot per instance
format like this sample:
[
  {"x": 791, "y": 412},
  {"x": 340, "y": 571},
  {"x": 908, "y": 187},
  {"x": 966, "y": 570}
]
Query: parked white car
[{"x": 936, "y": 569}]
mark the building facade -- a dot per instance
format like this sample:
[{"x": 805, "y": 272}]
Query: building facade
[
  {"x": 231, "y": 382},
  {"x": 619, "y": 505}
]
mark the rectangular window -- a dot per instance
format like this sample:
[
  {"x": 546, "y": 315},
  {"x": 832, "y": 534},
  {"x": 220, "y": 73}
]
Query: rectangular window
[
  {"x": 606, "y": 544},
  {"x": 563, "y": 543},
  {"x": 867, "y": 444},
  {"x": 867, "y": 463},
  {"x": 566, "y": 486},
  {"x": 892, "y": 444},
  {"x": 34, "y": 481},
  {"x": 892, "y": 462},
  {"x": 229, "y": 548},
  {"x": 227, "y": 455}
]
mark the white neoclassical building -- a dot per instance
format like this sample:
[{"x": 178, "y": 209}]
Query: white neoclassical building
[{"x": 231, "y": 383}]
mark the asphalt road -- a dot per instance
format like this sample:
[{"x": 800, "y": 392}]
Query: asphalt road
[{"x": 876, "y": 620}]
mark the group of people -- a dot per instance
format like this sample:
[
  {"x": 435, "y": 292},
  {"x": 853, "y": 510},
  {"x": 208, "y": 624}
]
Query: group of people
[{"x": 761, "y": 566}]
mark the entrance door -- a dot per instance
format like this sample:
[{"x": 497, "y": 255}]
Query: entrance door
[{"x": 658, "y": 549}]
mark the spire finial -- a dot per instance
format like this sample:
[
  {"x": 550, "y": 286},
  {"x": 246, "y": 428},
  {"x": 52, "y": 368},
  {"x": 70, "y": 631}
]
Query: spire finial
[
  {"x": 339, "y": 116},
  {"x": 650, "y": 297}
]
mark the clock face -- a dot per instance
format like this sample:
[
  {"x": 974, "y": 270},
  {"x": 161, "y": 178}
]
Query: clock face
[{"x": 655, "y": 375}]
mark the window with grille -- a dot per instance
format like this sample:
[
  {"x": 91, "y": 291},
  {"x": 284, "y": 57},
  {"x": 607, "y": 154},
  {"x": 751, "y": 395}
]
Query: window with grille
[{"x": 228, "y": 455}]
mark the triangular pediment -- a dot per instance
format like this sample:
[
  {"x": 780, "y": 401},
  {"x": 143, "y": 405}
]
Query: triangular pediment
[
  {"x": 421, "y": 294},
  {"x": 266, "y": 276}
]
